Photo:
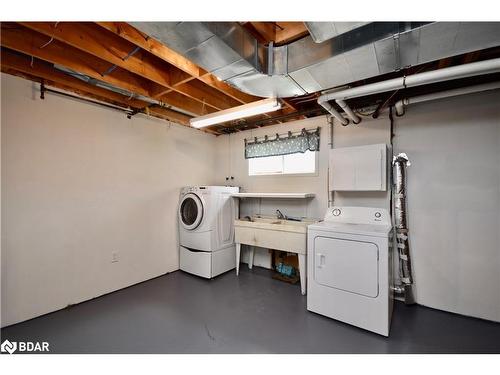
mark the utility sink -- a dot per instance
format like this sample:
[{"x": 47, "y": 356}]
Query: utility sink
[
  {"x": 276, "y": 234},
  {"x": 272, "y": 223},
  {"x": 272, "y": 233}
]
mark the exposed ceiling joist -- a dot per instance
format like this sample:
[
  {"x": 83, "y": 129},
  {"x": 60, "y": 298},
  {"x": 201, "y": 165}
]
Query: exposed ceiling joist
[
  {"x": 277, "y": 32},
  {"x": 66, "y": 89},
  {"x": 89, "y": 38},
  {"x": 117, "y": 54},
  {"x": 60, "y": 81},
  {"x": 44, "y": 70},
  {"x": 161, "y": 51},
  {"x": 30, "y": 43}
]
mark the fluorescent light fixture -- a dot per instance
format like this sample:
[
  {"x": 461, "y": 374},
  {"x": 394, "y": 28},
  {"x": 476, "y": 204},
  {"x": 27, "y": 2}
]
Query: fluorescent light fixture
[{"x": 242, "y": 111}]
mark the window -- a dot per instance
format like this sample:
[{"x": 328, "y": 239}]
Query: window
[{"x": 293, "y": 164}]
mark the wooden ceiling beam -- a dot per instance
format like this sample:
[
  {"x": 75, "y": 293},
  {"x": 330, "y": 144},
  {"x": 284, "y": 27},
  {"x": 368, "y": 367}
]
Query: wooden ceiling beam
[
  {"x": 170, "y": 115},
  {"x": 34, "y": 44},
  {"x": 242, "y": 97},
  {"x": 158, "y": 49},
  {"x": 444, "y": 63},
  {"x": 180, "y": 101},
  {"x": 71, "y": 89},
  {"x": 266, "y": 29},
  {"x": 471, "y": 57},
  {"x": 206, "y": 94},
  {"x": 252, "y": 30},
  {"x": 90, "y": 92},
  {"x": 12, "y": 61},
  {"x": 89, "y": 49},
  {"x": 278, "y": 32},
  {"x": 117, "y": 51},
  {"x": 42, "y": 69},
  {"x": 287, "y": 32},
  {"x": 133, "y": 35},
  {"x": 28, "y": 42},
  {"x": 161, "y": 51}
]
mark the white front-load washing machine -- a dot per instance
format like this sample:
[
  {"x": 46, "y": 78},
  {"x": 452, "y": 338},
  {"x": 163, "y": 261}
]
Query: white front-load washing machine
[
  {"x": 349, "y": 267},
  {"x": 206, "y": 229}
]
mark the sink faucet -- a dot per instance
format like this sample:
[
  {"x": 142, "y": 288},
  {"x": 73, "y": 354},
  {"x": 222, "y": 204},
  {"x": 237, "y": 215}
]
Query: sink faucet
[{"x": 280, "y": 215}]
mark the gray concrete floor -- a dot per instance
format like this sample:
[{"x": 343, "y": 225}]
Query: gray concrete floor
[{"x": 252, "y": 313}]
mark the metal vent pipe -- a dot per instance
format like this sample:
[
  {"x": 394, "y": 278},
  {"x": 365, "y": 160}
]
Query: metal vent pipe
[
  {"x": 350, "y": 51},
  {"x": 400, "y": 164}
]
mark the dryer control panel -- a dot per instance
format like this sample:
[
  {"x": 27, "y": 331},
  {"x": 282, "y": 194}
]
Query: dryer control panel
[{"x": 358, "y": 215}]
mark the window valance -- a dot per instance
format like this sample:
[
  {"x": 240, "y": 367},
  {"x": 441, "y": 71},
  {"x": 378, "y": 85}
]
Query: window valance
[{"x": 283, "y": 144}]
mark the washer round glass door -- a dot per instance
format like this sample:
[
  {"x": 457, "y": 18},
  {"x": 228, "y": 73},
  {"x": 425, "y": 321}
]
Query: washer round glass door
[{"x": 190, "y": 211}]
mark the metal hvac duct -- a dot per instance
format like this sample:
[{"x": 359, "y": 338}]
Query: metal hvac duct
[
  {"x": 366, "y": 50},
  {"x": 323, "y": 31},
  {"x": 400, "y": 163}
]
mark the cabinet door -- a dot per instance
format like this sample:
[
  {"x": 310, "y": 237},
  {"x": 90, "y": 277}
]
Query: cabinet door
[
  {"x": 351, "y": 266},
  {"x": 358, "y": 168},
  {"x": 343, "y": 170},
  {"x": 369, "y": 169}
]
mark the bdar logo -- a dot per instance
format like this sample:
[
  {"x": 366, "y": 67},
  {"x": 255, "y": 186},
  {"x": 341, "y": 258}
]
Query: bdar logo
[
  {"x": 24, "y": 346},
  {"x": 9, "y": 347}
]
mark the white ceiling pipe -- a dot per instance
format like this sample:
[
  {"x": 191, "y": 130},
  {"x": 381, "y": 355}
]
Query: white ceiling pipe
[
  {"x": 374, "y": 88},
  {"x": 454, "y": 72},
  {"x": 333, "y": 111},
  {"x": 349, "y": 112},
  {"x": 439, "y": 75},
  {"x": 401, "y": 104},
  {"x": 400, "y": 107}
]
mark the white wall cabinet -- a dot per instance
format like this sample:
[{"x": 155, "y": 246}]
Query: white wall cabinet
[{"x": 362, "y": 168}]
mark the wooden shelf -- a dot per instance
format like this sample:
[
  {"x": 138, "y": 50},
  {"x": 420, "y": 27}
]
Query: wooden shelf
[{"x": 274, "y": 195}]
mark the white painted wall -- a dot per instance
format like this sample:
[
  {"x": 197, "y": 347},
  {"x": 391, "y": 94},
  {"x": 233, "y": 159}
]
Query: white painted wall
[
  {"x": 80, "y": 182},
  {"x": 232, "y": 162},
  {"x": 454, "y": 201}
]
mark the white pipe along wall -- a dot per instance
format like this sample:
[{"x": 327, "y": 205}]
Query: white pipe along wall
[
  {"x": 89, "y": 198},
  {"x": 419, "y": 79},
  {"x": 401, "y": 104}
]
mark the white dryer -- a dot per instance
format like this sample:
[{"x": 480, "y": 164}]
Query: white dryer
[
  {"x": 206, "y": 229},
  {"x": 349, "y": 267}
]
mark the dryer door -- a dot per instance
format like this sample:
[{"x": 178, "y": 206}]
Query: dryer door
[
  {"x": 348, "y": 265},
  {"x": 190, "y": 211}
]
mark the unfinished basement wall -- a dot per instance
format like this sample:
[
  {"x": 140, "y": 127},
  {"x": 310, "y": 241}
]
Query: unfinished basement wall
[
  {"x": 454, "y": 201},
  {"x": 82, "y": 184}
]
